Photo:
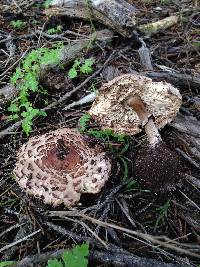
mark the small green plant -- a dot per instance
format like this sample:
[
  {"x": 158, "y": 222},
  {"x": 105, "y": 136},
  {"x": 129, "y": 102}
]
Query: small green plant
[
  {"x": 26, "y": 78},
  {"x": 75, "y": 257},
  {"x": 131, "y": 185},
  {"x": 163, "y": 212},
  {"x": 47, "y": 3},
  {"x": 83, "y": 122},
  {"x": 84, "y": 67},
  {"x": 17, "y": 24},
  {"x": 56, "y": 30},
  {"x": 106, "y": 135},
  {"x": 93, "y": 89},
  {"x": 6, "y": 263},
  {"x": 110, "y": 138}
]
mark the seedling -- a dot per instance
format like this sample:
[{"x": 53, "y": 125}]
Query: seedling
[
  {"x": 6, "y": 263},
  {"x": 93, "y": 89},
  {"x": 108, "y": 136},
  {"x": 163, "y": 213},
  {"x": 47, "y": 3},
  {"x": 26, "y": 78},
  {"x": 17, "y": 24},
  {"x": 79, "y": 67},
  {"x": 76, "y": 257},
  {"x": 56, "y": 30}
]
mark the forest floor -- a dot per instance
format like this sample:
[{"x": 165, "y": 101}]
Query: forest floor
[{"x": 132, "y": 223}]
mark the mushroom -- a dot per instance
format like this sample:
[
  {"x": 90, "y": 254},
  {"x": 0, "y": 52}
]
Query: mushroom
[
  {"x": 61, "y": 165},
  {"x": 155, "y": 165},
  {"x": 130, "y": 101}
]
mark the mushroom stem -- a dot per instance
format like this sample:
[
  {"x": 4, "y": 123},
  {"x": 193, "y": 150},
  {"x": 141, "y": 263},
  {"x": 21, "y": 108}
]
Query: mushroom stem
[{"x": 151, "y": 131}]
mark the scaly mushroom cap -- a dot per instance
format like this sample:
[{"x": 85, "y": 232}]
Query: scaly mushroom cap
[
  {"x": 61, "y": 165},
  {"x": 110, "y": 109}
]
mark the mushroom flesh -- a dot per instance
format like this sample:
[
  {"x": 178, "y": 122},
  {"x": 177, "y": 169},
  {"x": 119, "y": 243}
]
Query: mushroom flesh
[{"x": 59, "y": 166}]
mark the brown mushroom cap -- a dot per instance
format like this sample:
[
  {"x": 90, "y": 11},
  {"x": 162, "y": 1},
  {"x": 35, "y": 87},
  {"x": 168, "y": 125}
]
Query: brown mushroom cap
[
  {"x": 110, "y": 109},
  {"x": 61, "y": 165}
]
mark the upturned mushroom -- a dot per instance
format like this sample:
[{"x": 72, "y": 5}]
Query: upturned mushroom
[
  {"x": 59, "y": 166},
  {"x": 127, "y": 104}
]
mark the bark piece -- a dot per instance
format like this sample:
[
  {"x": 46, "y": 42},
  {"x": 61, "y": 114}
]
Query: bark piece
[
  {"x": 117, "y": 14},
  {"x": 176, "y": 78},
  {"x": 7, "y": 93}
]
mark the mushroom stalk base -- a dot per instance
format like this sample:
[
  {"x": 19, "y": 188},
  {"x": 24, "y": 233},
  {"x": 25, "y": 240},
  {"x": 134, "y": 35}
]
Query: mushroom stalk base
[{"x": 151, "y": 131}]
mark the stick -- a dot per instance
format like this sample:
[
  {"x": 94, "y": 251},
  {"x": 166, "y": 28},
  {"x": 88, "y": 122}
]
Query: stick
[{"x": 161, "y": 25}]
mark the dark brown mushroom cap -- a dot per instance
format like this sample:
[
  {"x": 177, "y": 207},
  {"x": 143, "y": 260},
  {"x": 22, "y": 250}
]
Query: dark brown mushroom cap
[
  {"x": 110, "y": 108},
  {"x": 61, "y": 165}
]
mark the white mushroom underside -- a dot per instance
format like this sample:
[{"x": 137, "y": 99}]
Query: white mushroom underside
[
  {"x": 59, "y": 186},
  {"x": 110, "y": 108}
]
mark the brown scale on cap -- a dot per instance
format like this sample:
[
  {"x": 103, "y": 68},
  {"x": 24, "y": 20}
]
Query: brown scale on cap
[
  {"x": 61, "y": 165},
  {"x": 111, "y": 111}
]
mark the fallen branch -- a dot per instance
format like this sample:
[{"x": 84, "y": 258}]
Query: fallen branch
[
  {"x": 116, "y": 14},
  {"x": 114, "y": 254},
  {"x": 106, "y": 257},
  {"x": 161, "y": 25},
  {"x": 187, "y": 124},
  {"x": 156, "y": 240},
  {"x": 176, "y": 78},
  {"x": 126, "y": 260}
]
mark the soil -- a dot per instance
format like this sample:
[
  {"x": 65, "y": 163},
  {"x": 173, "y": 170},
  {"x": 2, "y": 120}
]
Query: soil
[{"x": 171, "y": 220}]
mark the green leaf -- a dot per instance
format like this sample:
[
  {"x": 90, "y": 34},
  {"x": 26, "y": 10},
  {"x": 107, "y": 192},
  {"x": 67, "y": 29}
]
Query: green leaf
[
  {"x": 83, "y": 121},
  {"x": 17, "y": 24},
  {"x": 17, "y": 75},
  {"x": 27, "y": 126},
  {"x": 76, "y": 257},
  {"x": 72, "y": 73},
  {"x": 14, "y": 108},
  {"x": 23, "y": 96},
  {"x": 13, "y": 117},
  {"x": 125, "y": 166},
  {"x": 131, "y": 185},
  {"x": 55, "y": 263},
  {"x": 42, "y": 113},
  {"x": 76, "y": 63},
  {"x": 51, "y": 31},
  {"x": 31, "y": 82},
  {"x": 86, "y": 68},
  {"x": 47, "y": 3},
  {"x": 6, "y": 263}
]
